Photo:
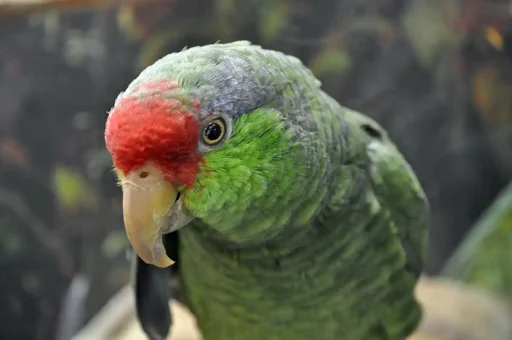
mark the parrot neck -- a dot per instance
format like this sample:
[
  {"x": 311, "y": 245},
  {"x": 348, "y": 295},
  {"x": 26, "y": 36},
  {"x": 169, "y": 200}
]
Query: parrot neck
[
  {"x": 262, "y": 190},
  {"x": 342, "y": 273},
  {"x": 302, "y": 245}
]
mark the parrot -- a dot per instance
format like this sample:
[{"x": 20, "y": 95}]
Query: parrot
[{"x": 268, "y": 209}]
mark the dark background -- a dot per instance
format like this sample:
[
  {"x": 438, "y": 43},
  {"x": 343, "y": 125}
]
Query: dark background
[{"x": 437, "y": 74}]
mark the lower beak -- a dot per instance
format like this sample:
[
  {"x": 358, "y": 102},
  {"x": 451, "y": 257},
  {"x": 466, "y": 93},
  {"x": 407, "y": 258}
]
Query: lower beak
[{"x": 148, "y": 202}]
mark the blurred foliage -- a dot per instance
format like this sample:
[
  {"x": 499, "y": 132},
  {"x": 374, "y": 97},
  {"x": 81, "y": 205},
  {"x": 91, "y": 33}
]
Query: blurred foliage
[
  {"x": 436, "y": 74},
  {"x": 484, "y": 258},
  {"x": 72, "y": 190}
]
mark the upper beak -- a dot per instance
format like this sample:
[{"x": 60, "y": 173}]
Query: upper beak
[{"x": 149, "y": 201}]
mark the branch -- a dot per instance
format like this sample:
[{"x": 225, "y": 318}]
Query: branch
[
  {"x": 18, "y": 8},
  {"x": 117, "y": 321}
]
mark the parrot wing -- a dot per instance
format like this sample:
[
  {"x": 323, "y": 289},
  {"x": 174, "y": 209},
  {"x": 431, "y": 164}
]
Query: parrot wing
[{"x": 397, "y": 188}]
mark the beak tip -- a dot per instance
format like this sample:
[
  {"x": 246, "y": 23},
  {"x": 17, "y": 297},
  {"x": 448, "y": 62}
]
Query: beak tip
[
  {"x": 152, "y": 254},
  {"x": 160, "y": 261},
  {"x": 164, "y": 262}
]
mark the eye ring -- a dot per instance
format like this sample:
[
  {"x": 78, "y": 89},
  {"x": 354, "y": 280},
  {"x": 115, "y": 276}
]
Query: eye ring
[{"x": 214, "y": 131}]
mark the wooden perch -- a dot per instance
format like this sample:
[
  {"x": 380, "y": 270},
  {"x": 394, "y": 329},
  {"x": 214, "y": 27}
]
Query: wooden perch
[
  {"x": 117, "y": 321},
  {"x": 26, "y": 7},
  {"x": 453, "y": 312}
]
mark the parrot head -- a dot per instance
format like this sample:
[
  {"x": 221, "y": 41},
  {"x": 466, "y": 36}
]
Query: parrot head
[{"x": 195, "y": 138}]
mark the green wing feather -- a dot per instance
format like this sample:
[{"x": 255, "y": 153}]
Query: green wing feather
[
  {"x": 404, "y": 209},
  {"x": 397, "y": 187}
]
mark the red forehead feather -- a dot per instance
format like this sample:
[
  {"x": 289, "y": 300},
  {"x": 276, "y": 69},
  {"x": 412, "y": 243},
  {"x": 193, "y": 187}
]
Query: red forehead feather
[{"x": 154, "y": 129}]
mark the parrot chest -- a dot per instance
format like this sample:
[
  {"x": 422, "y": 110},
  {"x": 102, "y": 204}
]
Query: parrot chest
[{"x": 330, "y": 291}]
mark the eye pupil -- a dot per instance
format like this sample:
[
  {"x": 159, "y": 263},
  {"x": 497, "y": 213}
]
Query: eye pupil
[{"x": 213, "y": 132}]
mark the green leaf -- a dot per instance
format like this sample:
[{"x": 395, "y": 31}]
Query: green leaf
[
  {"x": 273, "y": 16},
  {"x": 330, "y": 60},
  {"x": 72, "y": 190},
  {"x": 484, "y": 258}
]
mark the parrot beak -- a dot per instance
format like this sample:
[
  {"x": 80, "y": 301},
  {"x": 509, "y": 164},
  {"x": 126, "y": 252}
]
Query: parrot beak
[{"x": 149, "y": 211}]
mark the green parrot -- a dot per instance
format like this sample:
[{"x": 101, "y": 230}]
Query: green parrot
[{"x": 289, "y": 216}]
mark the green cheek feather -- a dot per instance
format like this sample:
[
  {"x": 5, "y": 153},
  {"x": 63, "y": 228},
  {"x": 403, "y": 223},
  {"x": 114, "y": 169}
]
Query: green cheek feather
[{"x": 250, "y": 178}]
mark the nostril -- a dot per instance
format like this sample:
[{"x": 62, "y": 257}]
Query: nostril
[{"x": 143, "y": 174}]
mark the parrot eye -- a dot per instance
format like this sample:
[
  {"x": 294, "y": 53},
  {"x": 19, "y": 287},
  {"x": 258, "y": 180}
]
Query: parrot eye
[{"x": 214, "y": 131}]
